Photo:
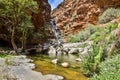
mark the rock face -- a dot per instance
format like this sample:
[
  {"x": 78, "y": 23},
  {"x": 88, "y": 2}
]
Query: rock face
[
  {"x": 72, "y": 16},
  {"x": 43, "y": 16},
  {"x": 41, "y": 21}
]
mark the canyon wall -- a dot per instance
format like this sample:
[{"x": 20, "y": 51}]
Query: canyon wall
[
  {"x": 43, "y": 15},
  {"x": 72, "y": 16}
]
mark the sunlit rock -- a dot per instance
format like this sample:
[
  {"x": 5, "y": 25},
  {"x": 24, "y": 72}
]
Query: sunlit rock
[
  {"x": 52, "y": 51},
  {"x": 53, "y": 77},
  {"x": 73, "y": 51},
  {"x": 65, "y": 64},
  {"x": 79, "y": 59},
  {"x": 54, "y": 61}
]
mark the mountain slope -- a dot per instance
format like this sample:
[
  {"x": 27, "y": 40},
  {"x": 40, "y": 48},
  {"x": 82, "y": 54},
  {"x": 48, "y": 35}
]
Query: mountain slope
[{"x": 72, "y": 16}]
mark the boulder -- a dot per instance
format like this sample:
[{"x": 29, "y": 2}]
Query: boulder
[
  {"x": 52, "y": 51},
  {"x": 79, "y": 59},
  {"x": 73, "y": 51},
  {"x": 54, "y": 61},
  {"x": 65, "y": 64}
]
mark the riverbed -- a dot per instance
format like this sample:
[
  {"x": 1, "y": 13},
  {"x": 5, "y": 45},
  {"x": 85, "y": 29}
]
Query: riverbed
[{"x": 43, "y": 64}]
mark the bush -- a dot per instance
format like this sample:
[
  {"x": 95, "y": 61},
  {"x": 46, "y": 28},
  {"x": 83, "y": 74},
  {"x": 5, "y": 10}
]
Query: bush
[
  {"x": 109, "y": 69},
  {"x": 103, "y": 33},
  {"x": 109, "y": 15},
  {"x": 96, "y": 37},
  {"x": 110, "y": 27},
  {"x": 82, "y": 35},
  {"x": 88, "y": 62},
  {"x": 102, "y": 39},
  {"x": 2, "y": 55}
]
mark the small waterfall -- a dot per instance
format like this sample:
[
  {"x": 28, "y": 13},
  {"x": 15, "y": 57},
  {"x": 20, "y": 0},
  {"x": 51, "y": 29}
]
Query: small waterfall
[
  {"x": 58, "y": 38},
  {"x": 56, "y": 32}
]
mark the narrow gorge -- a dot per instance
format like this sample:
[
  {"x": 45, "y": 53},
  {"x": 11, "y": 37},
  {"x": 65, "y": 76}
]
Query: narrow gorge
[{"x": 59, "y": 39}]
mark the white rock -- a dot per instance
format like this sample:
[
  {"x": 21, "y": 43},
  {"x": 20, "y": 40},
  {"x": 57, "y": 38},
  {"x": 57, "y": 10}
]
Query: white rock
[
  {"x": 55, "y": 61},
  {"x": 53, "y": 77},
  {"x": 80, "y": 49},
  {"x": 85, "y": 52},
  {"x": 79, "y": 59},
  {"x": 73, "y": 51},
  {"x": 12, "y": 52},
  {"x": 65, "y": 64},
  {"x": 52, "y": 51}
]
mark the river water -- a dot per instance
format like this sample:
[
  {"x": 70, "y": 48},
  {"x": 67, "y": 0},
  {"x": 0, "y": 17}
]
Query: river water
[{"x": 44, "y": 65}]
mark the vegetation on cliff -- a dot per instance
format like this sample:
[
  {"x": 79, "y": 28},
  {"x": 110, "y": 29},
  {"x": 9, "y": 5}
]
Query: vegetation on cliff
[
  {"x": 102, "y": 62},
  {"x": 25, "y": 21}
]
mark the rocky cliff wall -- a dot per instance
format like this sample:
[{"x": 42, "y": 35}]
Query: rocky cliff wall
[
  {"x": 43, "y": 15},
  {"x": 72, "y": 16}
]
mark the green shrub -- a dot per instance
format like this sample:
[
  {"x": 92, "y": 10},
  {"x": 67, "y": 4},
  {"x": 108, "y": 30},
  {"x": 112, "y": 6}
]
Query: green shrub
[
  {"x": 102, "y": 33},
  {"x": 109, "y": 69},
  {"x": 82, "y": 35},
  {"x": 102, "y": 39},
  {"x": 93, "y": 33},
  {"x": 74, "y": 38},
  {"x": 110, "y": 27},
  {"x": 88, "y": 62},
  {"x": 109, "y": 15},
  {"x": 2, "y": 55},
  {"x": 96, "y": 37}
]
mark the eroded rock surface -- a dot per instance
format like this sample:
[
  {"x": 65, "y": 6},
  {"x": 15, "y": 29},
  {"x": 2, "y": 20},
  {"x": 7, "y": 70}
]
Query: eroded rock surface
[
  {"x": 19, "y": 68},
  {"x": 73, "y": 15}
]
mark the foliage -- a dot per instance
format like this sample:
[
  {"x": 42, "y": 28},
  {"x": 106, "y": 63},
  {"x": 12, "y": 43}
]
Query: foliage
[
  {"x": 82, "y": 35},
  {"x": 102, "y": 39},
  {"x": 2, "y": 55},
  {"x": 94, "y": 33},
  {"x": 90, "y": 60},
  {"x": 101, "y": 34},
  {"x": 109, "y": 15},
  {"x": 18, "y": 13},
  {"x": 109, "y": 69}
]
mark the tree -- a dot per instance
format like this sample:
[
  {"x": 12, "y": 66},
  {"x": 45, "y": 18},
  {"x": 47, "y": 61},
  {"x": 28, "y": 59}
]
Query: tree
[{"x": 18, "y": 12}]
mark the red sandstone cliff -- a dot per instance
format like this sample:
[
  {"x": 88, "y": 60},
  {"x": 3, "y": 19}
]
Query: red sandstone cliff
[{"x": 73, "y": 15}]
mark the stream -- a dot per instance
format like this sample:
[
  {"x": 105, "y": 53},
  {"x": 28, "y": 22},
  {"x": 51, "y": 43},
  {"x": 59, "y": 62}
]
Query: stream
[{"x": 44, "y": 65}]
